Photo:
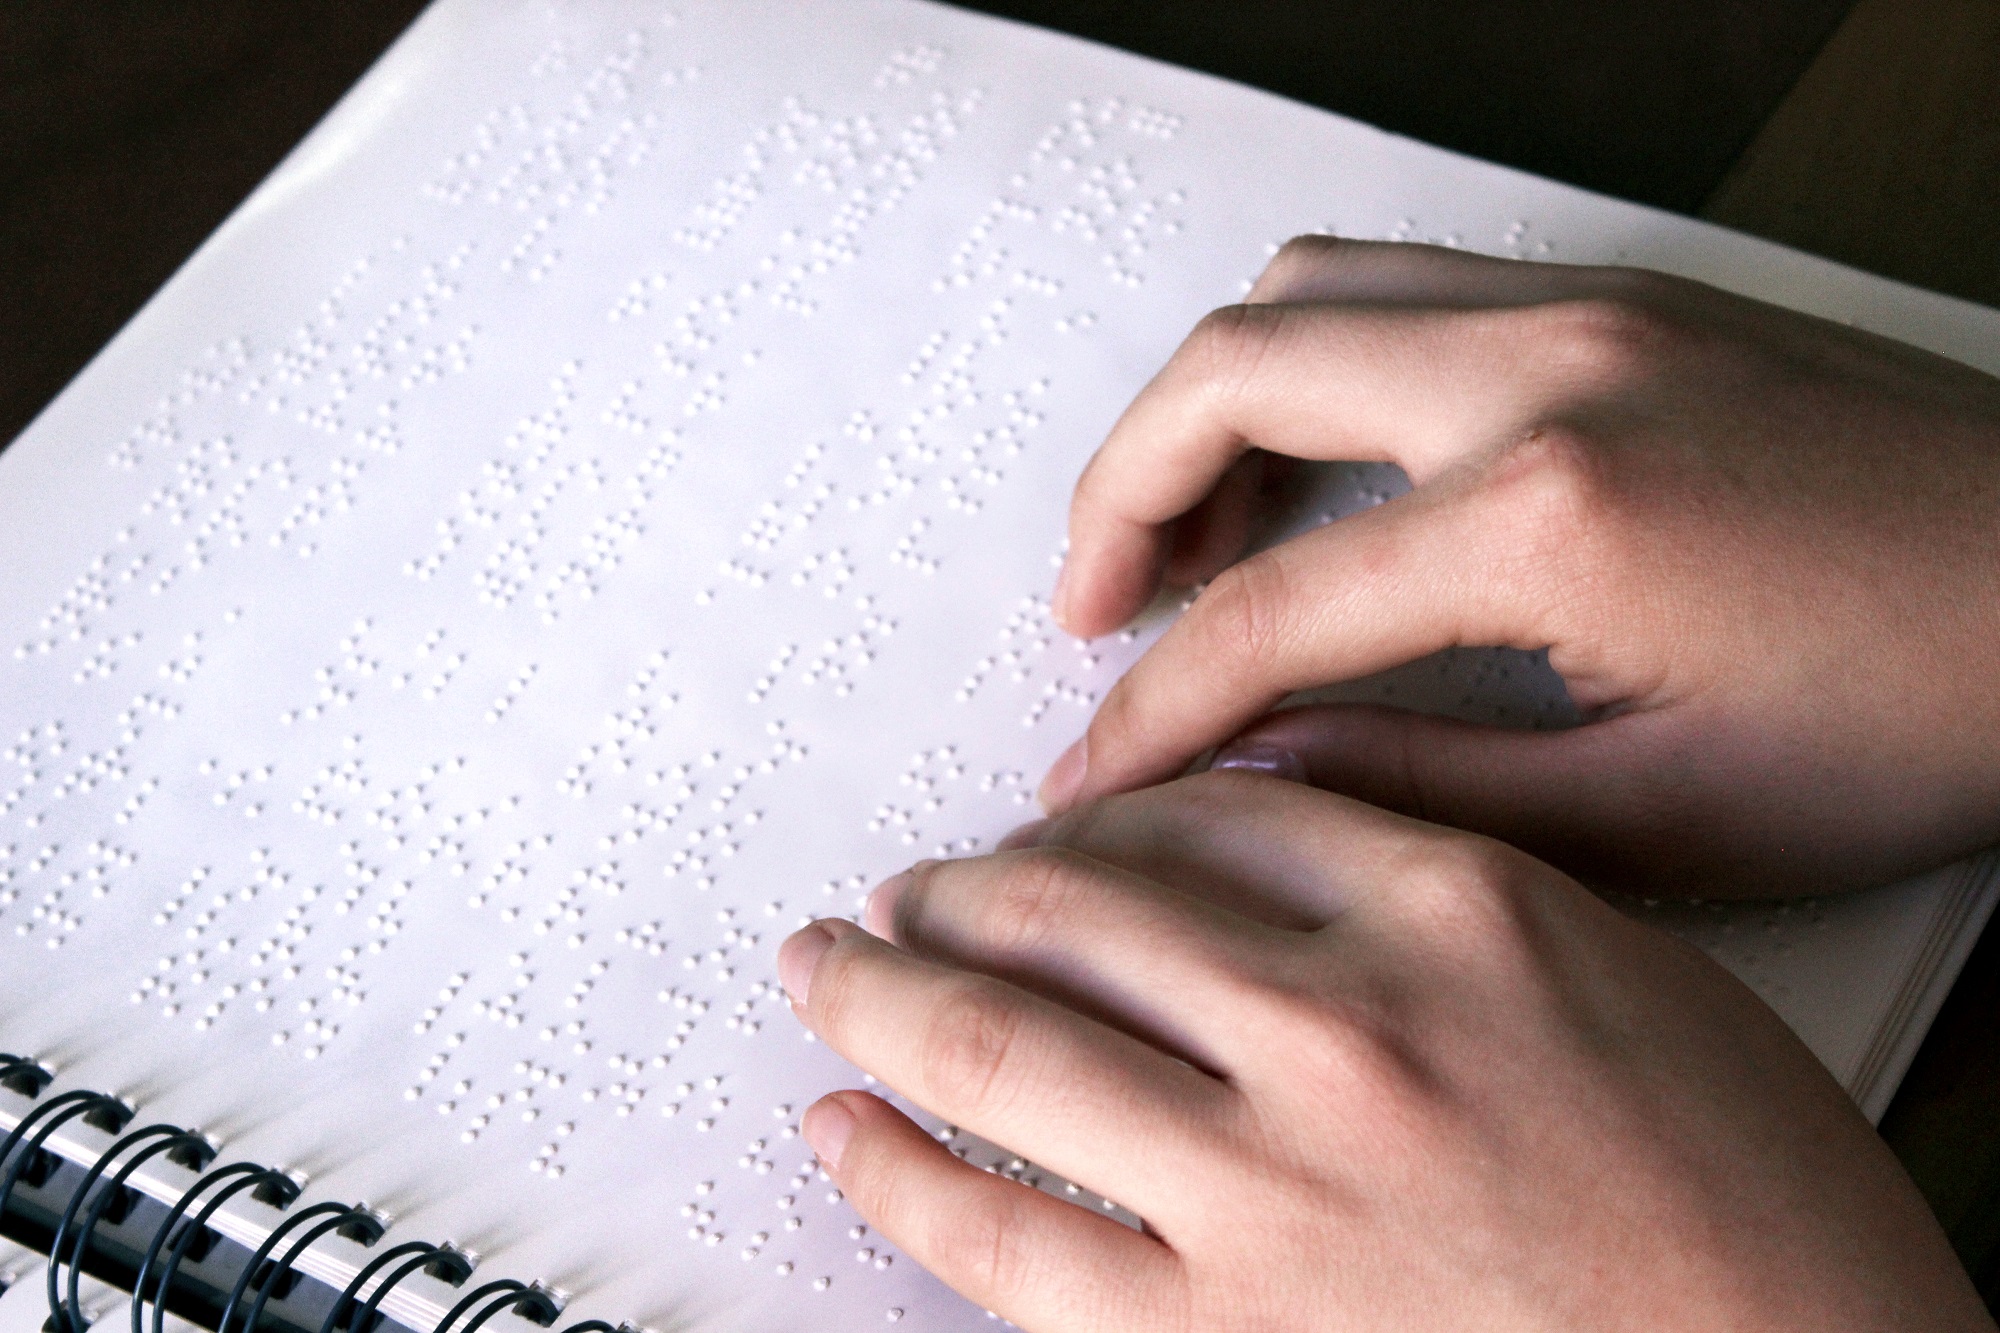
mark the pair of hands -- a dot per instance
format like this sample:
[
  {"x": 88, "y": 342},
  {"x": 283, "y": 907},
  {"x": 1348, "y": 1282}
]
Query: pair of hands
[{"x": 1356, "y": 1070}]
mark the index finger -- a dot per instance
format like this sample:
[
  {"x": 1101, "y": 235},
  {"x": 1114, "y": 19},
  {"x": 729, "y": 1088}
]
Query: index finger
[
  {"x": 1091, "y": 1103},
  {"x": 1321, "y": 369},
  {"x": 1444, "y": 566}
]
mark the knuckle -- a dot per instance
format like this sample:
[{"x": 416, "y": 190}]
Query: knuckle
[
  {"x": 1238, "y": 632},
  {"x": 914, "y": 913},
  {"x": 1468, "y": 894},
  {"x": 833, "y": 990},
  {"x": 967, "y": 1053},
  {"x": 1311, "y": 245},
  {"x": 1641, "y": 286},
  {"x": 1614, "y": 339},
  {"x": 1244, "y": 617},
  {"x": 1033, "y": 899},
  {"x": 1558, "y": 487},
  {"x": 1301, "y": 256},
  {"x": 1229, "y": 344},
  {"x": 987, "y": 1250}
]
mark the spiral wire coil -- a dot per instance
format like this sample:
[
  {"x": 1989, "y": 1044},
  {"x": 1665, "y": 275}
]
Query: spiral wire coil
[{"x": 263, "y": 1278}]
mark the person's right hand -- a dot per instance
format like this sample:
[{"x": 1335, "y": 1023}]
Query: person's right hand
[
  {"x": 1355, "y": 1072},
  {"x": 1763, "y": 551}
]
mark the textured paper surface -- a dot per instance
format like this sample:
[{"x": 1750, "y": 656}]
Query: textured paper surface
[{"x": 593, "y": 508}]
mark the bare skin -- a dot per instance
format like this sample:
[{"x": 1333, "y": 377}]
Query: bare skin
[
  {"x": 1356, "y": 1072},
  {"x": 1763, "y": 551},
  {"x": 1361, "y": 1071}
]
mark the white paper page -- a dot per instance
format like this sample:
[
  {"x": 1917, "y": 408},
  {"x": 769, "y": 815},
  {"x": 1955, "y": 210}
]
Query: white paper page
[
  {"x": 24, "y": 1304},
  {"x": 594, "y": 508},
  {"x": 22, "y": 1308}
]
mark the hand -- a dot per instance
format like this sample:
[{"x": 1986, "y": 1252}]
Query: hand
[
  {"x": 1762, "y": 550},
  {"x": 1355, "y": 1072}
]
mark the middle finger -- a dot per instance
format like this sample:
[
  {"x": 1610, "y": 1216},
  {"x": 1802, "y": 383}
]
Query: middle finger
[{"x": 1161, "y": 965}]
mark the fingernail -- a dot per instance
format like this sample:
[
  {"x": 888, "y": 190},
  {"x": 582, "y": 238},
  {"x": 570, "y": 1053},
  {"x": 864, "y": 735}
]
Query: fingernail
[
  {"x": 1065, "y": 779},
  {"x": 1028, "y": 835},
  {"x": 828, "y": 1126},
  {"x": 799, "y": 956},
  {"x": 1258, "y": 757},
  {"x": 880, "y": 918},
  {"x": 1059, "y": 597}
]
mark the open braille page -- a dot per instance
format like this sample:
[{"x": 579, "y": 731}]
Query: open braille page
[{"x": 594, "y": 508}]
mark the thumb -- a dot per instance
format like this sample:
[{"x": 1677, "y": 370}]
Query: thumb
[{"x": 1606, "y": 803}]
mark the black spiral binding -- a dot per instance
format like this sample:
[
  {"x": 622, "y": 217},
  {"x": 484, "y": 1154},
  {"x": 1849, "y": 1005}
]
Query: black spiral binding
[
  {"x": 192, "y": 1150},
  {"x": 444, "y": 1264},
  {"x": 263, "y": 1278}
]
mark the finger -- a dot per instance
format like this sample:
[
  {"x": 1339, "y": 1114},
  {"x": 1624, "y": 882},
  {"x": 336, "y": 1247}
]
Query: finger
[
  {"x": 1092, "y": 1104},
  {"x": 1421, "y": 387},
  {"x": 1028, "y": 1257},
  {"x": 1440, "y": 567},
  {"x": 1606, "y": 802},
  {"x": 1137, "y": 955},
  {"x": 1333, "y": 268},
  {"x": 1278, "y": 852}
]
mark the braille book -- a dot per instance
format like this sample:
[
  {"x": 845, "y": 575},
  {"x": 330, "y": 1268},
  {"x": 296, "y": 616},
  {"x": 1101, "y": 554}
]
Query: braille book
[{"x": 591, "y": 510}]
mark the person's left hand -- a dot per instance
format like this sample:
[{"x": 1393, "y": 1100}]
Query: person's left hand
[{"x": 1355, "y": 1072}]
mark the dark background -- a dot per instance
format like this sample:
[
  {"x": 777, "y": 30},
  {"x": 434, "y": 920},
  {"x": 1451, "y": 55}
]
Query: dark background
[{"x": 1866, "y": 130}]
